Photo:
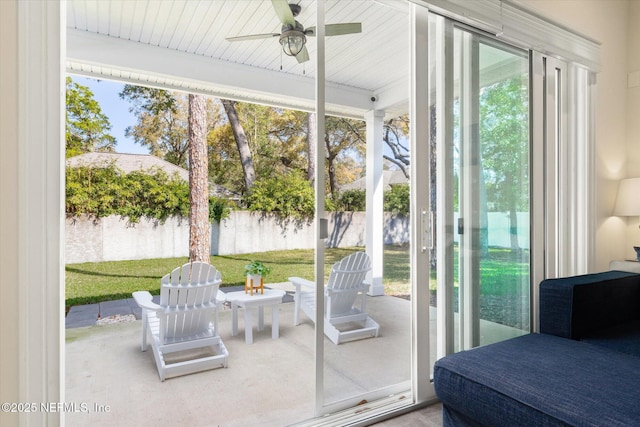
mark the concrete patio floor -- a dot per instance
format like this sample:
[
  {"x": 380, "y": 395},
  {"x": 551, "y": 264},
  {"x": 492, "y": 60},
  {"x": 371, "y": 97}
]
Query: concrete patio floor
[{"x": 267, "y": 383}]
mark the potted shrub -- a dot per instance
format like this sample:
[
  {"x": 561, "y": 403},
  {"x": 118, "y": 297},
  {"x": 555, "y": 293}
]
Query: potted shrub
[{"x": 255, "y": 272}]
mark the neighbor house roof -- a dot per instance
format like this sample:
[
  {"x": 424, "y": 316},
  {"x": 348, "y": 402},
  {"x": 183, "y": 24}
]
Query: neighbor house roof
[
  {"x": 141, "y": 162},
  {"x": 128, "y": 163}
]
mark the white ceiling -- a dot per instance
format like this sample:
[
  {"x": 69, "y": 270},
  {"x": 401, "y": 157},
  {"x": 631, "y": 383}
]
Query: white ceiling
[{"x": 180, "y": 44}]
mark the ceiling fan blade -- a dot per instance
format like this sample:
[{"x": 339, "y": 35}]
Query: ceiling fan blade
[
  {"x": 341, "y": 29},
  {"x": 303, "y": 56},
  {"x": 252, "y": 37},
  {"x": 337, "y": 29},
  {"x": 283, "y": 11}
]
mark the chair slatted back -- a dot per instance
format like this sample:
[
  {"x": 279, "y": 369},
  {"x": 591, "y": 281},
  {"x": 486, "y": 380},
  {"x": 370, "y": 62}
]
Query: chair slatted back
[
  {"x": 188, "y": 295},
  {"x": 348, "y": 273}
]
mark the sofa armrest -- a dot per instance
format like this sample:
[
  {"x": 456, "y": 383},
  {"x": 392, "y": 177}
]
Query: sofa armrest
[{"x": 574, "y": 307}]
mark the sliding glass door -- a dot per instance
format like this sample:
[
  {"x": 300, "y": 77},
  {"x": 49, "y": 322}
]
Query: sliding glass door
[
  {"x": 474, "y": 207},
  {"x": 480, "y": 126},
  {"x": 359, "y": 364}
]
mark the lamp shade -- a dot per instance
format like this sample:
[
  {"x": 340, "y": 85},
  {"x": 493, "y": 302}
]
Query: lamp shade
[{"x": 628, "y": 200}]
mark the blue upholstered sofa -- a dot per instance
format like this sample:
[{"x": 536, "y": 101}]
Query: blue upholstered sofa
[{"x": 582, "y": 369}]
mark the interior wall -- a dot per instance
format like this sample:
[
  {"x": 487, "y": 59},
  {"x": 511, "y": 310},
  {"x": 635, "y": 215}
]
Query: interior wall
[
  {"x": 633, "y": 117},
  {"x": 9, "y": 336},
  {"x": 606, "y": 21}
]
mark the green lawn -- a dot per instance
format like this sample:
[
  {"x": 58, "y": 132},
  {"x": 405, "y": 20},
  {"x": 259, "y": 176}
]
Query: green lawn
[
  {"x": 102, "y": 281},
  {"x": 501, "y": 273}
]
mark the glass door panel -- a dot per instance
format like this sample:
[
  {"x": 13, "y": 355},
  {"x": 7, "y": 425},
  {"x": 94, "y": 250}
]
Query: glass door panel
[
  {"x": 361, "y": 368},
  {"x": 480, "y": 96},
  {"x": 493, "y": 190}
]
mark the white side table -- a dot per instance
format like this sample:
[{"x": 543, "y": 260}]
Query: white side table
[
  {"x": 626, "y": 265},
  {"x": 271, "y": 297}
]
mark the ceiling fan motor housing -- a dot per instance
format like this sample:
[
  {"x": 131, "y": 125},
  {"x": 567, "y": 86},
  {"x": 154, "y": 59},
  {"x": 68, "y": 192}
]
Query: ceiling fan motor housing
[
  {"x": 290, "y": 28},
  {"x": 295, "y": 9}
]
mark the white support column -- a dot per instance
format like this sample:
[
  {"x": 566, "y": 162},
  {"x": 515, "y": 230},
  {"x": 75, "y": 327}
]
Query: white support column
[
  {"x": 375, "y": 198},
  {"x": 320, "y": 219}
]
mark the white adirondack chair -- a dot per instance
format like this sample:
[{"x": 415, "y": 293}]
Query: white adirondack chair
[
  {"x": 345, "y": 316},
  {"x": 189, "y": 297}
]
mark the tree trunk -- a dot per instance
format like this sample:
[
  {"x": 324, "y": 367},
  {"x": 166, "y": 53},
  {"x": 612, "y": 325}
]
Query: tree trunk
[
  {"x": 331, "y": 167},
  {"x": 513, "y": 221},
  {"x": 311, "y": 146},
  {"x": 242, "y": 143},
  {"x": 199, "y": 233}
]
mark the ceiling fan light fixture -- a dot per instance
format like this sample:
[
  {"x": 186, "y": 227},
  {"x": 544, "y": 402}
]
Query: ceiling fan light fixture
[
  {"x": 292, "y": 39},
  {"x": 293, "y": 36}
]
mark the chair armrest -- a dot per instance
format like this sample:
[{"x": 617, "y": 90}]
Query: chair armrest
[
  {"x": 145, "y": 300},
  {"x": 364, "y": 287},
  {"x": 221, "y": 297},
  {"x": 300, "y": 281}
]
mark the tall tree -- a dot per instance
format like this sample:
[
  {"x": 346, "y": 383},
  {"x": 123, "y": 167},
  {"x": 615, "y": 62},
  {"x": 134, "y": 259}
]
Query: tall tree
[
  {"x": 162, "y": 122},
  {"x": 344, "y": 140},
  {"x": 87, "y": 128},
  {"x": 504, "y": 129},
  {"x": 396, "y": 136},
  {"x": 276, "y": 139},
  {"x": 287, "y": 139},
  {"x": 199, "y": 234},
  {"x": 242, "y": 143},
  {"x": 311, "y": 146}
]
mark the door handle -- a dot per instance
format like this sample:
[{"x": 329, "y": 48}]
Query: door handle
[
  {"x": 424, "y": 232},
  {"x": 431, "y": 227},
  {"x": 427, "y": 231}
]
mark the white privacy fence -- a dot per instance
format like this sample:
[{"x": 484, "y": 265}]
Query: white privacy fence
[{"x": 115, "y": 239}]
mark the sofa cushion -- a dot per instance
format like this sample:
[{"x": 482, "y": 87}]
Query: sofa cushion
[{"x": 540, "y": 379}]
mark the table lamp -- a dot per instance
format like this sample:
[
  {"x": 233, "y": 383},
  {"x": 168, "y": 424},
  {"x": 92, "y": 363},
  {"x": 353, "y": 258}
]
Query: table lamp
[{"x": 628, "y": 201}]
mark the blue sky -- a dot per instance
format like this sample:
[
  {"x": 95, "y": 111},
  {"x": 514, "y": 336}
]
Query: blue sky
[{"x": 116, "y": 109}]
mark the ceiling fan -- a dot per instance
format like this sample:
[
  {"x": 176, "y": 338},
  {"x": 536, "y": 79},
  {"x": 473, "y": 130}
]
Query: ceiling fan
[{"x": 292, "y": 36}]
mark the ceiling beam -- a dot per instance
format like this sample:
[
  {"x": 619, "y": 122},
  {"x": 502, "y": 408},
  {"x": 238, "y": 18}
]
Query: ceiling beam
[{"x": 112, "y": 58}]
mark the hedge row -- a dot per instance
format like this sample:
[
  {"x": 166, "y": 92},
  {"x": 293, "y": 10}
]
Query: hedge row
[{"x": 100, "y": 192}]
